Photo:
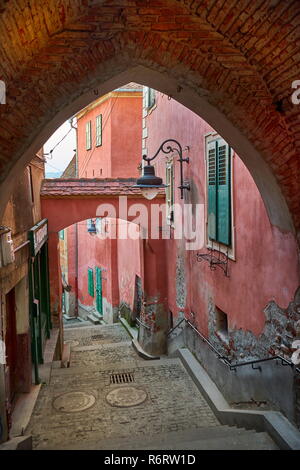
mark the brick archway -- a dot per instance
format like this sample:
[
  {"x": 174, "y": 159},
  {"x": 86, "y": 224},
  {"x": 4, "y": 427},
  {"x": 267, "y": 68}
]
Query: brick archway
[{"x": 234, "y": 66}]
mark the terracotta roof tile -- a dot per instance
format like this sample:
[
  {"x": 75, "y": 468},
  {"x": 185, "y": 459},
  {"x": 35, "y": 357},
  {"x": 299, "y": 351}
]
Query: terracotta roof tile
[{"x": 86, "y": 187}]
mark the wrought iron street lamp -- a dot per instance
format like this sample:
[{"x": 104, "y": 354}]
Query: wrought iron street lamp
[{"x": 149, "y": 183}]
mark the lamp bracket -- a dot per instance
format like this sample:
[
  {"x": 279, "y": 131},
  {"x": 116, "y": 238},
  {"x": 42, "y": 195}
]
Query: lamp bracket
[{"x": 167, "y": 147}]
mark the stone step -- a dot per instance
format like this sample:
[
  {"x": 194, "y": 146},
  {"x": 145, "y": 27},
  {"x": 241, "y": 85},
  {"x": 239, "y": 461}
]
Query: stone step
[
  {"x": 79, "y": 324},
  {"x": 141, "y": 352},
  {"x": 78, "y": 370},
  {"x": 206, "y": 438},
  {"x": 94, "y": 319},
  {"x": 18, "y": 443},
  {"x": 249, "y": 441}
]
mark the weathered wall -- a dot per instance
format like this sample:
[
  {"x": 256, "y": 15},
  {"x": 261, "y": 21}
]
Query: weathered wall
[
  {"x": 272, "y": 387},
  {"x": 120, "y": 152},
  {"x": 266, "y": 265},
  {"x": 97, "y": 161},
  {"x": 22, "y": 213},
  {"x": 72, "y": 233},
  {"x": 259, "y": 294},
  {"x": 118, "y": 156},
  {"x": 126, "y": 133},
  {"x": 94, "y": 251},
  {"x": 129, "y": 266}
]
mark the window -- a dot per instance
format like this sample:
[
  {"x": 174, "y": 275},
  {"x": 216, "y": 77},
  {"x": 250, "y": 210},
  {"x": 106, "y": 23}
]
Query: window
[
  {"x": 61, "y": 234},
  {"x": 99, "y": 130},
  {"x": 88, "y": 135},
  {"x": 221, "y": 324},
  {"x": 95, "y": 225},
  {"x": 170, "y": 193},
  {"x": 149, "y": 97},
  {"x": 91, "y": 282},
  {"x": 219, "y": 191}
]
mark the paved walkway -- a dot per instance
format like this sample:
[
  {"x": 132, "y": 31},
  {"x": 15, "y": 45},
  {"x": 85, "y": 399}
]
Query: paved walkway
[{"x": 173, "y": 403}]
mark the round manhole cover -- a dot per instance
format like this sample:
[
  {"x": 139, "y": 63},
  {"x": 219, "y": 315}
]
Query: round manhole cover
[
  {"x": 74, "y": 401},
  {"x": 72, "y": 342},
  {"x": 126, "y": 396}
]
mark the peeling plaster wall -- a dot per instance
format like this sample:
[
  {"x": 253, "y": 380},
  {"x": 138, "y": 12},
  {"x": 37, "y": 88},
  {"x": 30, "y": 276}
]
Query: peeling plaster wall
[
  {"x": 180, "y": 282},
  {"x": 110, "y": 313},
  {"x": 129, "y": 264},
  {"x": 281, "y": 328},
  {"x": 258, "y": 295},
  {"x": 273, "y": 386},
  {"x": 265, "y": 264}
]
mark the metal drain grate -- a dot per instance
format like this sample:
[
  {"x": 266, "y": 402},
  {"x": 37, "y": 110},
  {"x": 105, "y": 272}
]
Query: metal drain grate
[
  {"x": 124, "y": 378},
  {"x": 96, "y": 337}
]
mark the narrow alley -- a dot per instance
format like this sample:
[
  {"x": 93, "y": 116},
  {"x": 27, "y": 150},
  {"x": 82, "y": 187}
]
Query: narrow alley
[
  {"x": 149, "y": 225},
  {"x": 153, "y": 404}
]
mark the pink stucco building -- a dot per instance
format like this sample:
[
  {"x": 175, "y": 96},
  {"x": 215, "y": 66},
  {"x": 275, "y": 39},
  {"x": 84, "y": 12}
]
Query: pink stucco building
[
  {"x": 109, "y": 136},
  {"x": 237, "y": 285}
]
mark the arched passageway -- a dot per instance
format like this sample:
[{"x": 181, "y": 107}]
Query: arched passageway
[
  {"x": 66, "y": 202},
  {"x": 233, "y": 65}
]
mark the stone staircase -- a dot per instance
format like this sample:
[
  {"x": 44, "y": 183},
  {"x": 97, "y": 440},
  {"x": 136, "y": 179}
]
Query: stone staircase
[
  {"x": 78, "y": 324},
  {"x": 205, "y": 438},
  {"x": 94, "y": 319},
  {"x": 166, "y": 420}
]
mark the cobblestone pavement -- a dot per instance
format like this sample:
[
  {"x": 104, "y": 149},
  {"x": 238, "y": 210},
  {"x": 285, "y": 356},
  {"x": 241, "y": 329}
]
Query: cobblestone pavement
[{"x": 173, "y": 402}]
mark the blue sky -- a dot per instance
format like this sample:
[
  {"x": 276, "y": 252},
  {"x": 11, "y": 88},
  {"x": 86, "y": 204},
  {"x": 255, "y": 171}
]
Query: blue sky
[{"x": 64, "y": 152}]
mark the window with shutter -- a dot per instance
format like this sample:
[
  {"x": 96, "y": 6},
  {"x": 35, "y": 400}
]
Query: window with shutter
[
  {"x": 150, "y": 97},
  {"x": 224, "y": 193},
  {"x": 212, "y": 190},
  {"x": 219, "y": 191},
  {"x": 99, "y": 130},
  {"x": 88, "y": 135},
  {"x": 99, "y": 301},
  {"x": 91, "y": 282}
]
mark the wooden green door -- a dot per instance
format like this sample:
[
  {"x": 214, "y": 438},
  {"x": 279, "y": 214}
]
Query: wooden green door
[{"x": 99, "y": 306}]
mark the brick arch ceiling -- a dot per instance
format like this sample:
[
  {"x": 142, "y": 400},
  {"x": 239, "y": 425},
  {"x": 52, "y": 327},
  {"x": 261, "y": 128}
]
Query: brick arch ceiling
[{"x": 232, "y": 62}]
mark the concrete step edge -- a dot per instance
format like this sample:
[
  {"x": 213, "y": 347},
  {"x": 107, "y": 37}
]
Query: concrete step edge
[
  {"x": 282, "y": 431},
  {"x": 166, "y": 439},
  {"x": 252, "y": 441},
  {"x": 143, "y": 353},
  {"x": 18, "y": 443}
]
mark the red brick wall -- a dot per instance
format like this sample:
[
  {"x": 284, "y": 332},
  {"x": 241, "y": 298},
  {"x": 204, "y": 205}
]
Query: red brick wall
[{"x": 239, "y": 59}]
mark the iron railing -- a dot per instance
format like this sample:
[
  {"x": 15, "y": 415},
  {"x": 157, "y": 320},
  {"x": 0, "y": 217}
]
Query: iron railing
[
  {"x": 227, "y": 362},
  {"x": 143, "y": 324}
]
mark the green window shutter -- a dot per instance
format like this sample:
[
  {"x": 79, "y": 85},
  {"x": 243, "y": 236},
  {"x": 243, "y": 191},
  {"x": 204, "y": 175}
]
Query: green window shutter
[
  {"x": 212, "y": 190},
  {"x": 99, "y": 130},
  {"x": 150, "y": 97},
  {"x": 88, "y": 135},
  {"x": 99, "y": 303},
  {"x": 91, "y": 282},
  {"x": 224, "y": 192}
]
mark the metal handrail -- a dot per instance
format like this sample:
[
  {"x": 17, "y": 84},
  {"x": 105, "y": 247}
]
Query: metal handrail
[
  {"x": 143, "y": 324},
  {"x": 225, "y": 360},
  {"x": 176, "y": 326}
]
